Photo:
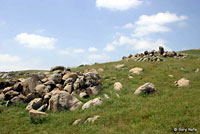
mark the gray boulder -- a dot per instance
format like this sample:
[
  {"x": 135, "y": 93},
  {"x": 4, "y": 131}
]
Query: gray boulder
[
  {"x": 56, "y": 78},
  {"x": 62, "y": 100}
]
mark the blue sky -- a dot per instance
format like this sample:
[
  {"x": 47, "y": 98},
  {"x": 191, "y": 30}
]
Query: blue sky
[{"x": 39, "y": 34}]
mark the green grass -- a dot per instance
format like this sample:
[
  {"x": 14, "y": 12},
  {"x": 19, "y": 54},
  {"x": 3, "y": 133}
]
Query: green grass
[{"x": 171, "y": 107}]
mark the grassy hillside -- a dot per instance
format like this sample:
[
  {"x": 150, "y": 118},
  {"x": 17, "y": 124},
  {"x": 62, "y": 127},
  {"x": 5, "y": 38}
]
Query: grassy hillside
[{"x": 171, "y": 107}]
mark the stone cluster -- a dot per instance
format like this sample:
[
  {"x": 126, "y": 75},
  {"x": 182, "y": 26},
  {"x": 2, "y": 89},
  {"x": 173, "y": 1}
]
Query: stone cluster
[
  {"x": 154, "y": 56},
  {"x": 54, "y": 90}
]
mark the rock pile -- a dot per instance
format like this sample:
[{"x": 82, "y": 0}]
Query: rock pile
[
  {"x": 53, "y": 91},
  {"x": 154, "y": 56}
]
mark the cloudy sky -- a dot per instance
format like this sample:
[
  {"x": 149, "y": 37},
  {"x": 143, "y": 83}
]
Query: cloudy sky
[{"x": 39, "y": 34}]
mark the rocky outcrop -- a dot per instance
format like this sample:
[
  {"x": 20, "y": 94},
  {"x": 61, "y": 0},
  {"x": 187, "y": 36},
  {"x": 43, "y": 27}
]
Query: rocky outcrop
[{"x": 154, "y": 56}]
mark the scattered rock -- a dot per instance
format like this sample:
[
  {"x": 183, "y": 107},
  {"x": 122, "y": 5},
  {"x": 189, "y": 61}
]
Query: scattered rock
[
  {"x": 120, "y": 66},
  {"x": 76, "y": 122},
  {"x": 92, "y": 119},
  {"x": 136, "y": 70},
  {"x": 197, "y": 70},
  {"x": 100, "y": 70},
  {"x": 106, "y": 96},
  {"x": 130, "y": 77},
  {"x": 117, "y": 95},
  {"x": 10, "y": 94},
  {"x": 182, "y": 82},
  {"x": 35, "y": 114},
  {"x": 62, "y": 100},
  {"x": 171, "y": 76},
  {"x": 117, "y": 86},
  {"x": 94, "y": 102},
  {"x": 147, "y": 88},
  {"x": 91, "y": 71}
]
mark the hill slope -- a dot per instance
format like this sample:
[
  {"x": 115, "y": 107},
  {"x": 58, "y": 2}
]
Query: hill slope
[{"x": 171, "y": 107}]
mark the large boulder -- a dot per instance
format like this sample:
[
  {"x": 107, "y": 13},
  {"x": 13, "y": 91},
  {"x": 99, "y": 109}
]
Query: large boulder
[
  {"x": 62, "y": 100},
  {"x": 41, "y": 89},
  {"x": 136, "y": 70},
  {"x": 117, "y": 86},
  {"x": 34, "y": 104},
  {"x": 182, "y": 82},
  {"x": 161, "y": 50},
  {"x": 94, "y": 102},
  {"x": 70, "y": 75},
  {"x": 60, "y": 68},
  {"x": 120, "y": 66},
  {"x": 30, "y": 84},
  {"x": 57, "y": 78},
  {"x": 147, "y": 88}
]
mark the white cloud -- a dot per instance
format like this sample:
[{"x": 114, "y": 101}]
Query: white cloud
[
  {"x": 146, "y": 25},
  {"x": 118, "y": 4},
  {"x": 78, "y": 50},
  {"x": 160, "y": 18},
  {"x": 128, "y": 26},
  {"x": 97, "y": 58},
  {"x": 109, "y": 47},
  {"x": 138, "y": 44},
  {"x": 35, "y": 41},
  {"x": 92, "y": 49},
  {"x": 6, "y": 58}
]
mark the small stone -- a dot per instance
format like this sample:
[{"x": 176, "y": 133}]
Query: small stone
[
  {"x": 76, "y": 122},
  {"x": 92, "y": 119},
  {"x": 120, "y": 66},
  {"x": 106, "y": 96},
  {"x": 136, "y": 70},
  {"x": 94, "y": 102},
  {"x": 117, "y": 95},
  {"x": 182, "y": 82},
  {"x": 117, "y": 86},
  {"x": 171, "y": 76},
  {"x": 83, "y": 95}
]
